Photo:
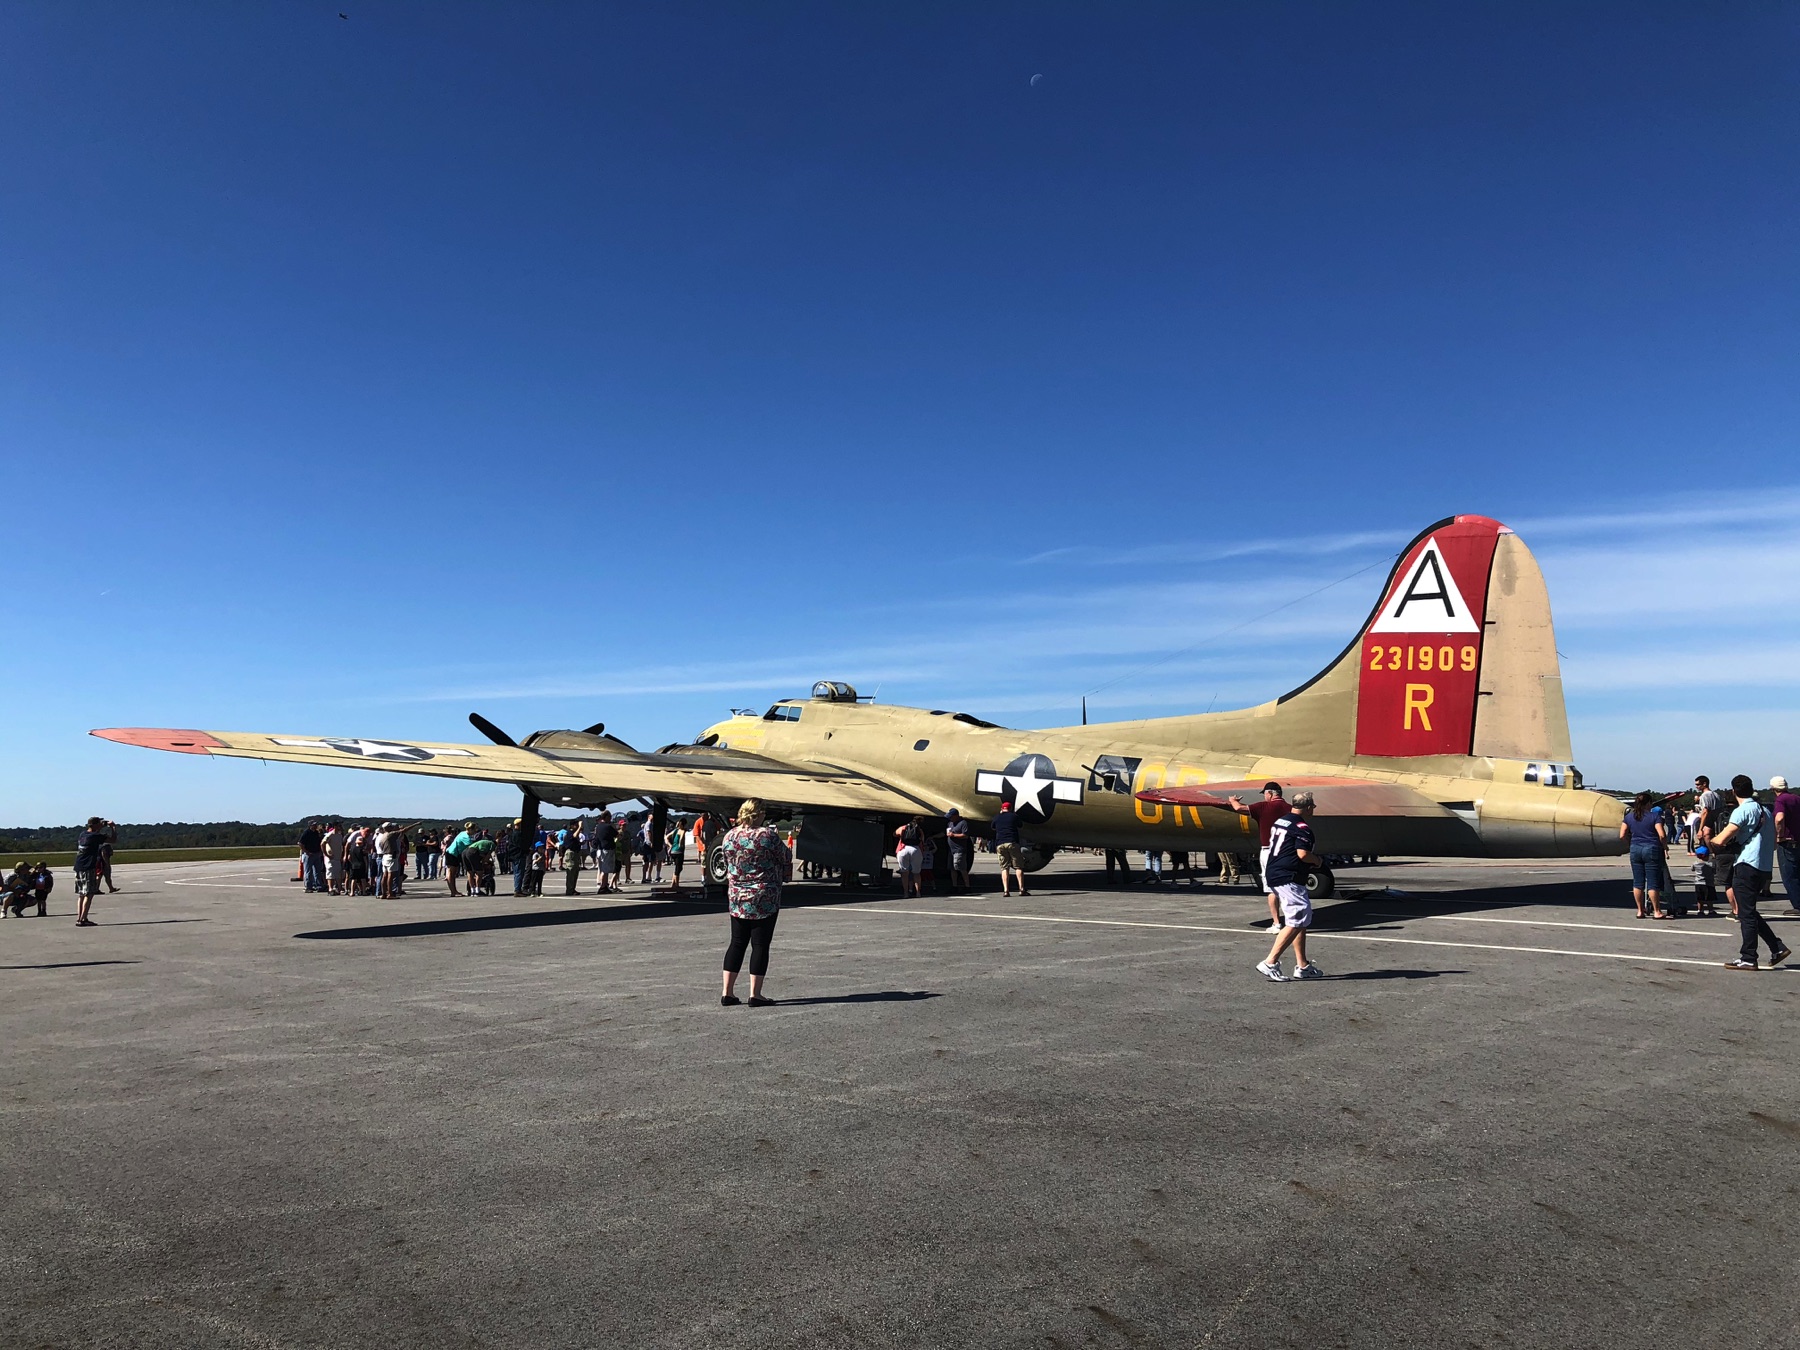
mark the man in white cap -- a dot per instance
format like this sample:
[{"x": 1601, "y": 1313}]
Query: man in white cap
[{"x": 1787, "y": 840}]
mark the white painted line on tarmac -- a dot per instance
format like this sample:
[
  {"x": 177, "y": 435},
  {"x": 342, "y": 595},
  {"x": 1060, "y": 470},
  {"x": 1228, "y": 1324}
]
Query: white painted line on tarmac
[
  {"x": 228, "y": 881},
  {"x": 1327, "y": 936},
  {"x": 1646, "y": 927}
]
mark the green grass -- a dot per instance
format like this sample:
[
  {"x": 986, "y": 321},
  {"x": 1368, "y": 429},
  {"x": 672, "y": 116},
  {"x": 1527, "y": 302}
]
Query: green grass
[{"x": 125, "y": 856}]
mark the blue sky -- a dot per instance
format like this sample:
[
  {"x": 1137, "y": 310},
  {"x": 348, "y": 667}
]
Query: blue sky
[{"x": 578, "y": 363}]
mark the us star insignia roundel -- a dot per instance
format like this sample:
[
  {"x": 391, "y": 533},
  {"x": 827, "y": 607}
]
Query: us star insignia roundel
[
  {"x": 351, "y": 745},
  {"x": 1031, "y": 784}
]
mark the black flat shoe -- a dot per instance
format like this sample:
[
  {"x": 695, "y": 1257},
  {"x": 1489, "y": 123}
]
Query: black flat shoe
[
  {"x": 727, "y": 1000},
  {"x": 758, "y": 1001}
]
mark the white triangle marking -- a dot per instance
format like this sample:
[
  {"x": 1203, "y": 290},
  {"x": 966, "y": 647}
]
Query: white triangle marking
[{"x": 1427, "y": 599}]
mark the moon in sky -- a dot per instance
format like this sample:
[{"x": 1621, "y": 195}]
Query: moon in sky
[{"x": 1035, "y": 79}]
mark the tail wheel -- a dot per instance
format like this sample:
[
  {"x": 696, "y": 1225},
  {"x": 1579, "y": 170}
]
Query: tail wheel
[{"x": 1320, "y": 883}]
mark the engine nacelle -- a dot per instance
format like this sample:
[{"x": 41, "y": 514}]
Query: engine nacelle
[{"x": 1035, "y": 857}]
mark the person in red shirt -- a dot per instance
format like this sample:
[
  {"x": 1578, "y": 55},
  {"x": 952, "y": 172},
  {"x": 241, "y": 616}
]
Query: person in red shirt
[{"x": 1265, "y": 813}]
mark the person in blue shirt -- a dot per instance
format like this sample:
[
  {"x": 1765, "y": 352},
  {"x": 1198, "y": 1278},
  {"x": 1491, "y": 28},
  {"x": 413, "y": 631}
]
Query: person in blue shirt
[
  {"x": 1643, "y": 826},
  {"x": 90, "y": 850},
  {"x": 1754, "y": 827}
]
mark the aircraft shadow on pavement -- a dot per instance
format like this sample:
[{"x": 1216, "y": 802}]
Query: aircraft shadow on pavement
[
  {"x": 139, "y": 923},
  {"x": 1370, "y": 911},
  {"x": 71, "y": 965},
  {"x": 1394, "y": 974},
  {"x": 884, "y": 996},
  {"x": 555, "y": 918}
]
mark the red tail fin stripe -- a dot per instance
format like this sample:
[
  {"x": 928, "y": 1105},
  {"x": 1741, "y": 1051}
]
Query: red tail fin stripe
[{"x": 1420, "y": 659}]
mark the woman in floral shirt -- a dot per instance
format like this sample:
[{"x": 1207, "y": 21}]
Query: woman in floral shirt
[{"x": 756, "y": 864}]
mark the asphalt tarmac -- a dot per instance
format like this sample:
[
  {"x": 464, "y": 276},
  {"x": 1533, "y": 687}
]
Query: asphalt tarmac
[{"x": 236, "y": 1115}]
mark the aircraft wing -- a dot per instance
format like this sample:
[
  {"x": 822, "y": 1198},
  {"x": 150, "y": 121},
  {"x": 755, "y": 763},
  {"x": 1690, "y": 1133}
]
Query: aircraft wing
[
  {"x": 1335, "y": 796},
  {"x": 587, "y": 776}
]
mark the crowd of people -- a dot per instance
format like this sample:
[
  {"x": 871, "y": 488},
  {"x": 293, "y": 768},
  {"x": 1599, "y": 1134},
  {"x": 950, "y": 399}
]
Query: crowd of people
[
  {"x": 1737, "y": 846},
  {"x": 1737, "y": 849},
  {"x": 338, "y": 858},
  {"x": 29, "y": 885}
]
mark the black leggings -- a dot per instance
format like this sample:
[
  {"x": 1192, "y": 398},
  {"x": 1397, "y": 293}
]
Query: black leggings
[{"x": 755, "y": 934}]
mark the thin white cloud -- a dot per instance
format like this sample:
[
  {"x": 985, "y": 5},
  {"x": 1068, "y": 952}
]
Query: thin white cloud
[{"x": 1654, "y": 599}]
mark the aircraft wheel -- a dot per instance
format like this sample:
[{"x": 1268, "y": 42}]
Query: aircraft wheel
[
  {"x": 1321, "y": 884},
  {"x": 715, "y": 867}
]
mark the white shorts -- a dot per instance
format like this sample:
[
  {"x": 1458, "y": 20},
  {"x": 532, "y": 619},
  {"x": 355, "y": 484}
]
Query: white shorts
[
  {"x": 333, "y": 868},
  {"x": 1296, "y": 906},
  {"x": 391, "y": 863},
  {"x": 1262, "y": 865},
  {"x": 910, "y": 859}
]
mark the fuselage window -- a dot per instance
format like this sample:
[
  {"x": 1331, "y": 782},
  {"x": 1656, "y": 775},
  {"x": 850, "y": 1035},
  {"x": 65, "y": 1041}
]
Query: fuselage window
[
  {"x": 782, "y": 712},
  {"x": 920, "y": 745}
]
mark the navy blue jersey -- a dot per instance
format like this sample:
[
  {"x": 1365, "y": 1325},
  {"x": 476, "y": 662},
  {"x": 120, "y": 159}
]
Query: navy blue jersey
[
  {"x": 90, "y": 848},
  {"x": 1287, "y": 837},
  {"x": 1006, "y": 828}
]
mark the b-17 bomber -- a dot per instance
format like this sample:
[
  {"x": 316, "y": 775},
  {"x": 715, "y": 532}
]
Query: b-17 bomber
[{"x": 1440, "y": 730}]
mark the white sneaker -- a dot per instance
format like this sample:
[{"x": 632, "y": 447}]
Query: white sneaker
[
  {"x": 1309, "y": 972},
  {"x": 1273, "y": 927},
  {"x": 1272, "y": 971}
]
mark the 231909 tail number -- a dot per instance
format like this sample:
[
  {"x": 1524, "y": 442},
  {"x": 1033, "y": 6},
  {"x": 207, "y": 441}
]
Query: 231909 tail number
[{"x": 1422, "y": 658}]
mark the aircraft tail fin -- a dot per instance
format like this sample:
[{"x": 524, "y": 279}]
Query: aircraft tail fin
[{"x": 1457, "y": 658}]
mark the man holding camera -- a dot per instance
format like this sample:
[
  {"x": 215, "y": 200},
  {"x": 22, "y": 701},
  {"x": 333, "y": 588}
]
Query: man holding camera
[{"x": 92, "y": 848}]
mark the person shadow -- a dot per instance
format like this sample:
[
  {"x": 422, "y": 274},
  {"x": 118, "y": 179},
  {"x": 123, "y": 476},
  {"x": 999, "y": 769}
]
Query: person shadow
[{"x": 884, "y": 996}]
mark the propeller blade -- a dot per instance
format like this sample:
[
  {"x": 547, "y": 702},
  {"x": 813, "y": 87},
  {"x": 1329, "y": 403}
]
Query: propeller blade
[{"x": 492, "y": 732}]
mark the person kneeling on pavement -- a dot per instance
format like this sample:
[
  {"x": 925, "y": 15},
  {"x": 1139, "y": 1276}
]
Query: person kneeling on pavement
[
  {"x": 17, "y": 890},
  {"x": 1291, "y": 852}
]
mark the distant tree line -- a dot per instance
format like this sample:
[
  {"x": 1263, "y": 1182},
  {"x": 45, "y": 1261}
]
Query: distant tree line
[{"x": 219, "y": 834}]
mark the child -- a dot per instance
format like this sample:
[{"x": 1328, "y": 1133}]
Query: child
[
  {"x": 1704, "y": 896},
  {"x": 43, "y": 882},
  {"x": 534, "y": 877}
]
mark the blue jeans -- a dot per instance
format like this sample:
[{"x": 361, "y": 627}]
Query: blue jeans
[
  {"x": 1647, "y": 867},
  {"x": 1788, "y": 860},
  {"x": 312, "y": 868}
]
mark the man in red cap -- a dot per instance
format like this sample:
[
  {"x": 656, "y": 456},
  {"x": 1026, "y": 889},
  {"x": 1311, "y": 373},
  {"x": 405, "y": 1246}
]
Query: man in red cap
[{"x": 1006, "y": 844}]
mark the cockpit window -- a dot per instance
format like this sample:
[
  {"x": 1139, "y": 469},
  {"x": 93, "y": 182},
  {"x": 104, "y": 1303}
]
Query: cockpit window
[{"x": 783, "y": 712}]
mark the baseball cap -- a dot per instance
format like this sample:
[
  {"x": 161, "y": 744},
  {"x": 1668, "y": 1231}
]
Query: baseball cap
[{"x": 1778, "y": 783}]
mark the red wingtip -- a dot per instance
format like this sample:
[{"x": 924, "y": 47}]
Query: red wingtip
[{"x": 161, "y": 738}]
